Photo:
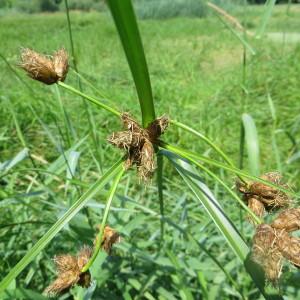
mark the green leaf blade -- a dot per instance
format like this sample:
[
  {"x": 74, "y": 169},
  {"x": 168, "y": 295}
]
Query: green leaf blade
[
  {"x": 125, "y": 21},
  {"x": 252, "y": 144}
]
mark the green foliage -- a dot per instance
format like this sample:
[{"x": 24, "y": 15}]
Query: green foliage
[{"x": 195, "y": 67}]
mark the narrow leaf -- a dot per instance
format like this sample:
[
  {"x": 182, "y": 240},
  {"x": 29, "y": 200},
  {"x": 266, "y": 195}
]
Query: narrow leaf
[
  {"x": 9, "y": 164},
  {"x": 265, "y": 18},
  {"x": 125, "y": 21},
  {"x": 211, "y": 204},
  {"x": 252, "y": 144}
]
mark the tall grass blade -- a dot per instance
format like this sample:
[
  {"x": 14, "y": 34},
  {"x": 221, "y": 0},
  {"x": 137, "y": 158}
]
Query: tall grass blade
[
  {"x": 99, "y": 240},
  {"x": 252, "y": 144},
  {"x": 9, "y": 164},
  {"x": 125, "y": 20},
  {"x": 211, "y": 204},
  {"x": 265, "y": 18},
  {"x": 160, "y": 178},
  {"x": 180, "y": 151},
  {"x": 57, "y": 227}
]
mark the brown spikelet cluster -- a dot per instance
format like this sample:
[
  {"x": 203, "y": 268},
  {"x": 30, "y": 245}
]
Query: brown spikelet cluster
[
  {"x": 69, "y": 272},
  {"x": 261, "y": 198},
  {"x": 265, "y": 252},
  {"x": 69, "y": 266},
  {"x": 139, "y": 143},
  {"x": 110, "y": 237},
  {"x": 273, "y": 242},
  {"x": 46, "y": 69}
]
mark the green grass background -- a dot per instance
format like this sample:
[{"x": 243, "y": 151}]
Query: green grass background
[{"x": 198, "y": 78}]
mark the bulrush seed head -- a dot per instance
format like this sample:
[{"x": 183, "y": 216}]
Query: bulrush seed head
[
  {"x": 69, "y": 272},
  {"x": 139, "y": 143},
  {"x": 289, "y": 246},
  {"x": 42, "y": 68},
  {"x": 257, "y": 207},
  {"x": 110, "y": 238},
  {"x": 265, "y": 252},
  {"x": 269, "y": 197},
  {"x": 61, "y": 65},
  {"x": 288, "y": 220}
]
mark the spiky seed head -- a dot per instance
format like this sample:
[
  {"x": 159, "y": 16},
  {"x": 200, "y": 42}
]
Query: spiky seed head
[
  {"x": 147, "y": 165},
  {"x": 157, "y": 128},
  {"x": 69, "y": 272},
  {"x": 43, "y": 68},
  {"x": 289, "y": 247},
  {"x": 62, "y": 283},
  {"x": 38, "y": 66},
  {"x": 83, "y": 256},
  {"x": 288, "y": 220},
  {"x": 110, "y": 237},
  {"x": 256, "y": 206},
  {"x": 61, "y": 64},
  {"x": 139, "y": 143},
  {"x": 271, "y": 196},
  {"x": 265, "y": 252},
  {"x": 64, "y": 263}
]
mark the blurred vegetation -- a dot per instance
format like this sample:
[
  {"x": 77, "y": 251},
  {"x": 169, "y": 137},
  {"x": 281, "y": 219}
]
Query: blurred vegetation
[{"x": 154, "y": 9}]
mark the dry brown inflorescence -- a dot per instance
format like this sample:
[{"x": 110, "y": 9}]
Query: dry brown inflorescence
[
  {"x": 43, "y": 68},
  {"x": 261, "y": 197},
  {"x": 69, "y": 266},
  {"x": 138, "y": 142},
  {"x": 272, "y": 243},
  {"x": 69, "y": 272}
]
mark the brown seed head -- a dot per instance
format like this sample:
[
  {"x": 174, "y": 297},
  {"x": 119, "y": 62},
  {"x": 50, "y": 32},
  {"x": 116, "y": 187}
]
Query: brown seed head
[
  {"x": 110, "y": 237},
  {"x": 43, "y": 68},
  {"x": 157, "y": 128},
  {"x": 257, "y": 207},
  {"x": 288, "y": 220},
  {"x": 270, "y": 197},
  {"x": 61, "y": 64},
  {"x": 69, "y": 272},
  {"x": 147, "y": 166},
  {"x": 38, "y": 66},
  {"x": 289, "y": 247},
  {"x": 265, "y": 252},
  {"x": 139, "y": 143}
]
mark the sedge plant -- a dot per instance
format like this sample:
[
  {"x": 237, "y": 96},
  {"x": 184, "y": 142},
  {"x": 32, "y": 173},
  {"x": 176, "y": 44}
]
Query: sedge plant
[{"x": 143, "y": 144}]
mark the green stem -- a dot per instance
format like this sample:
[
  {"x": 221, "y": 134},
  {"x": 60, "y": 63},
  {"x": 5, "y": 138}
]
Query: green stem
[
  {"x": 234, "y": 170},
  {"x": 104, "y": 220},
  {"x": 211, "y": 174},
  {"x": 206, "y": 140},
  {"x": 89, "y": 114},
  {"x": 160, "y": 162},
  {"x": 89, "y": 98},
  {"x": 70, "y": 35},
  {"x": 66, "y": 118}
]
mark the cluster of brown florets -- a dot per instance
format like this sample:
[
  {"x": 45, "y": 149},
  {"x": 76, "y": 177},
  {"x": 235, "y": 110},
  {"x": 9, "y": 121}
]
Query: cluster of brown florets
[
  {"x": 139, "y": 142},
  {"x": 47, "y": 69},
  {"x": 261, "y": 197},
  {"x": 272, "y": 243},
  {"x": 69, "y": 267}
]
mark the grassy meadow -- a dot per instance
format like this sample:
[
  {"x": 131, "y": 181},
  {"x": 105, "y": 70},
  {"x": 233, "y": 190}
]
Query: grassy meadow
[{"x": 202, "y": 76}]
